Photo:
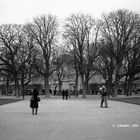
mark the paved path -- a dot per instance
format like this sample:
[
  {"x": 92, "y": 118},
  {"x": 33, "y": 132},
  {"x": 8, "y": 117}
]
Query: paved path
[{"x": 74, "y": 119}]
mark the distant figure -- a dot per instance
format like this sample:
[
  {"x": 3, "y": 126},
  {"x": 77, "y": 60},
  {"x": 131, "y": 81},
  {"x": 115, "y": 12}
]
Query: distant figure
[
  {"x": 63, "y": 94},
  {"x": 66, "y": 94},
  {"x": 54, "y": 92},
  {"x": 34, "y": 101},
  {"x": 50, "y": 91},
  {"x": 104, "y": 97}
]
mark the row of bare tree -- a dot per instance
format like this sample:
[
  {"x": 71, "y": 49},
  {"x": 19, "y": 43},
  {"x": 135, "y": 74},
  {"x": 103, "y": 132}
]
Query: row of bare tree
[
  {"x": 109, "y": 46},
  {"x": 29, "y": 50}
]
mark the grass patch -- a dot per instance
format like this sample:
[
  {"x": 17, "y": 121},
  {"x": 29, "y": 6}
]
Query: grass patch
[
  {"x": 7, "y": 101},
  {"x": 132, "y": 100}
]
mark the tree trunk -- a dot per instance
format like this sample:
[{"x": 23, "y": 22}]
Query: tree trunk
[
  {"x": 116, "y": 88},
  {"x": 116, "y": 84},
  {"x": 47, "y": 93},
  {"x": 87, "y": 86},
  {"x": 7, "y": 85},
  {"x": 125, "y": 85},
  {"x": 60, "y": 85},
  {"x": 76, "y": 85},
  {"x": 84, "y": 87},
  {"x": 22, "y": 85},
  {"x": 130, "y": 85},
  {"x": 16, "y": 87},
  {"x": 109, "y": 87},
  {"x": 110, "y": 90}
]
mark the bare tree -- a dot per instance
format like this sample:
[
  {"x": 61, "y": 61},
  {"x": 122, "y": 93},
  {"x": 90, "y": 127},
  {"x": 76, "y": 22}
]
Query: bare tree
[
  {"x": 44, "y": 31},
  {"x": 10, "y": 39},
  {"x": 106, "y": 64},
  {"x": 6, "y": 79},
  {"x": 82, "y": 33},
  {"x": 16, "y": 56},
  {"x": 59, "y": 64},
  {"x": 71, "y": 49},
  {"x": 25, "y": 57},
  {"x": 119, "y": 28},
  {"x": 61, "y": 74},
  {"x": 131, "y": 64}
]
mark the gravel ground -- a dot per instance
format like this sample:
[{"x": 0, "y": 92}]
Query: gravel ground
[{"x": 74, "y": 119}]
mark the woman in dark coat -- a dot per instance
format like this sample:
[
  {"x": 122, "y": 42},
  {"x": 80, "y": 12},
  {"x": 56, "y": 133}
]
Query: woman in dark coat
[{"x": 34, "y": 101}]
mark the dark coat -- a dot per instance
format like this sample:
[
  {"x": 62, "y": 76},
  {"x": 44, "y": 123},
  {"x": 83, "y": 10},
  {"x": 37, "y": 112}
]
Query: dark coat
[
  {"x": 63, "y": 92},
  {"x": 104, "y": 94},
  {"x": 34, "y": 102},
  {"x": 34, "y": 99}
]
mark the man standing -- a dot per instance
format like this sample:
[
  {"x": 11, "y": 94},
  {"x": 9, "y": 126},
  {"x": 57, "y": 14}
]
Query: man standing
[
  {"x": 63, "y": 94},
  {"x": 104, "y": 97}
]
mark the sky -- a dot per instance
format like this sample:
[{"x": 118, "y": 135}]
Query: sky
[{"x": 21, "y": 11}]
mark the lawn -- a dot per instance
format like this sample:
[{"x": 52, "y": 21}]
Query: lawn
[
  {"x": 133, "y": 100},
  {"x": 7, "y": 101}
]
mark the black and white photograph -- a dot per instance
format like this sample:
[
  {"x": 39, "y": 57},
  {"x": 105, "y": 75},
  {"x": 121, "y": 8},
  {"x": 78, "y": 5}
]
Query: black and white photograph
[{"x": 69, "y": 69}]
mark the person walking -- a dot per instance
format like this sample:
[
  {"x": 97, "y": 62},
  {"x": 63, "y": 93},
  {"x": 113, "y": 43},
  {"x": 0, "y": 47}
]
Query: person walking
[
  {"x": 34, "y": 101},
  {"x": 104, "y": 97}
]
